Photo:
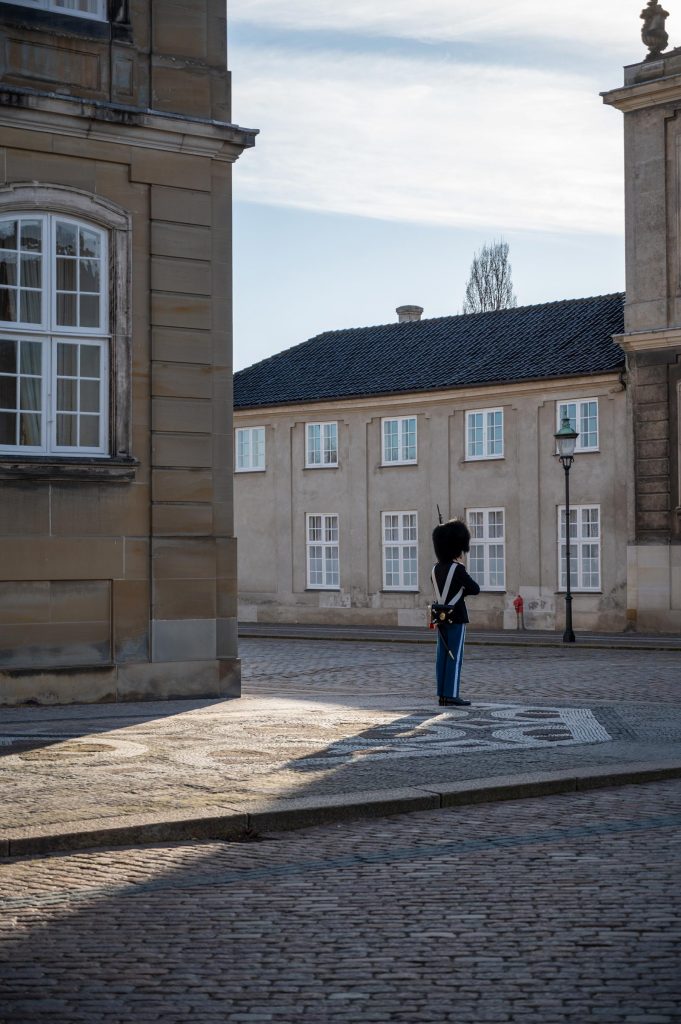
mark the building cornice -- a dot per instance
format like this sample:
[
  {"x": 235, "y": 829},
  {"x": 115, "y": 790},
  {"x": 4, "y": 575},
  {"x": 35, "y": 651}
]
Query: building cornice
[
  {"x": 129, "y": 126},
  {"x": 645, "y": 341},
  {"x": 644, "y": 94},
  {"x": 498, "y": 393}
]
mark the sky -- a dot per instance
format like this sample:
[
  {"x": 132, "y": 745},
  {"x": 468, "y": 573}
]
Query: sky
[{"x": 398, "y": 136}]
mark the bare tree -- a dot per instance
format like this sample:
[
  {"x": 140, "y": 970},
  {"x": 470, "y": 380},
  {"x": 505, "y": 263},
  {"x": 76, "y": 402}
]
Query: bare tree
[{"x": 490, "y": 285}]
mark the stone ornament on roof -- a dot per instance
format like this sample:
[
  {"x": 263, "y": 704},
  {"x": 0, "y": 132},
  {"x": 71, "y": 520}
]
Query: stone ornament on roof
[{"x": 654, "y": 33}]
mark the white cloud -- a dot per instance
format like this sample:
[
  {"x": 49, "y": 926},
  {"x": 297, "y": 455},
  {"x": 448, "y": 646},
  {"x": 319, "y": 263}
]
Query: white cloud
[
  {"x": 427, "y": 141},
  {"x": 609, "y": 25}
]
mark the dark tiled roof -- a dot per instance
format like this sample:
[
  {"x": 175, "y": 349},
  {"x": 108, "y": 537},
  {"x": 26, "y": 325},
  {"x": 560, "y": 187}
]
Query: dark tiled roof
[{"x": 556, "y": 339}]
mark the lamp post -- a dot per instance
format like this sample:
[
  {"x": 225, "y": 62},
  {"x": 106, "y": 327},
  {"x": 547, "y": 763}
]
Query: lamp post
[{"x": 566, "y": 440}]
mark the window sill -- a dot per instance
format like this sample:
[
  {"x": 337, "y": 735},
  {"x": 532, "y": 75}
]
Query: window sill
[
  {"x": 484, "y": 458},
  {"x": 389, "y": 465},
  {"x": 577, "y": 590},
  {"x": 400, "y": 590},
  {"x": 316, "y": 590},
  {"x": 330, "y": 465},
  {"x": 118, "y": 470},
  {"x": 256, "y": 469}
]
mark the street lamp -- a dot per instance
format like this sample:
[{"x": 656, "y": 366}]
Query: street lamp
[{"x": 566, "y": 440}]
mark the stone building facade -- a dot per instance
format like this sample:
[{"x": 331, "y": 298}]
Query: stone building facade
[
  {"x": 117, "y": 551},
  {"x": 651, "y": 102},
  {"x": 346, "y": 445}
]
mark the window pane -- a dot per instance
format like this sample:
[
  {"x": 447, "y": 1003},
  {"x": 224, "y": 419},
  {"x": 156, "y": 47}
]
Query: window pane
[
  {"x": 30, "y": 392},
  {"x": 67, "y": 360},
  {"x": 259, "y": 448},
  {"x": 89, "y": 431},
  {"x": 89, "y": 360},
  {"x": 496, "y": 565},
  {"x": 494, "y": 433},
  {"x": 331, "y": 564},
  {"x": 410, "y": 566},
  {"x": 330, "y": 444},
  {"x": 242, "y": 449},
  {"x": 66, "y": 310},
  {"x": 89, "y": 275},
  {"x": 476, "y": 524},
  {"x": 89, "y": 396},
  {"x": 66, "y": 275},
  {"x": 392, "y": 567},
  {"x": 8, "y": 305},
  {"x": 31, "y": 236},
  {"x": 588, "y": 425},
  {"x": 315, "y": 527},
  {"x": 8, "y": 357},
  {"x": 29, "y": 429},
  {"x": 477, "y": 562},
  {"x": 8, "y": 268},
  {"x": 475, "y": 434},
  {"x": 30, "y": 307},
  {"x": 79, "y": 6},
  {"x": 89, "y": 311},
  {"x": 31, "y": 272},
  {"x": 67, "y": 239},
  {"x": 314, "y": 455},
  {"x": 67, "y": 395},
  {"x": 568, "y": 409},
  {"x": 67, "y": 430},
  {"x": 89, "y": 240},
  {"x": 31, "y": 357},
  {"x": 496, "y": 524},
  {"x": 8, "y": 392},
  {"x": 8, "y": 428},
  {"x": 409, "y": 440},
  {"x": 8, "y": 234},
  {"x": 391, "y": 450},
  {"x": 316, "y": 566}
]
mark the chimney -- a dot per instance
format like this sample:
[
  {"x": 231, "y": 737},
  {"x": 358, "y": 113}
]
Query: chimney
[{"x": 407, "y": 313}]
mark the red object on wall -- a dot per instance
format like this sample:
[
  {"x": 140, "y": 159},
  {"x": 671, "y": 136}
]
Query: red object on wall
[{"x": 519, "y": 605}]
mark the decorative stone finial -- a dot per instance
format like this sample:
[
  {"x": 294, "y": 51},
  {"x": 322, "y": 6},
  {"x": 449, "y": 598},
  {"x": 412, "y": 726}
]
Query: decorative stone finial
[{"x": 653, "y": 33}]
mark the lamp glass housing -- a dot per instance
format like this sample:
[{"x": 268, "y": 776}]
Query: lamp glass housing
[{"x": 566, "y": 439}]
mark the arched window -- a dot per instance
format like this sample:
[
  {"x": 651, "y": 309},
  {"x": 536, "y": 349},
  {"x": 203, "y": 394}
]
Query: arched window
[
  {"x": 65, "y": 334},
  {"x": 54, "y": 336}
]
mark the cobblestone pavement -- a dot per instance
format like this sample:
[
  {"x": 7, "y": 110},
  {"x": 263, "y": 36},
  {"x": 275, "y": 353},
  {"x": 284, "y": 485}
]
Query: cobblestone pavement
[
  {"x": 332, "y": 718},
  {"x": 564, "y": 910}
]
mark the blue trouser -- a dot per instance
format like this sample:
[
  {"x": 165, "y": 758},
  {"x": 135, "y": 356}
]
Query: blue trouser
[{"x": 448, "y": 669}]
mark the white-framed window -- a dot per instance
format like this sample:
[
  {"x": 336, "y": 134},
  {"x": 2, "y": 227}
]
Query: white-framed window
[
  {"x": 487, "y": 558},
  {"x": 485, "y": 434},
  {"x": 250, "y": 449},
  {"x": 585, "y": 547},
  {"x": 93, "y": 9},
  {"x": 583, "y": 416},
  {"x": 321, "y": 445},
  {"x": 54, "y": 336},
  {"x": 323, "y": 566},
  {"x": 399, "y": 440},
  {"x": 400, "y": 551}
]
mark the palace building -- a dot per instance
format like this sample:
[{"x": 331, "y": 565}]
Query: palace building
[{"x": 117, "y": 551}]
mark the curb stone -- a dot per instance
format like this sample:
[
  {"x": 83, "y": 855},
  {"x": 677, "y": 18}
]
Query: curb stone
[{"x": 296, "y": 814}]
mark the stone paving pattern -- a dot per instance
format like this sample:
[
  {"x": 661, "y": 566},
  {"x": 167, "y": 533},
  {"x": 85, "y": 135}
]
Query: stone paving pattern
[
  {"x": 563, "y": 910},
  {"x": 326, "y": 718}
]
